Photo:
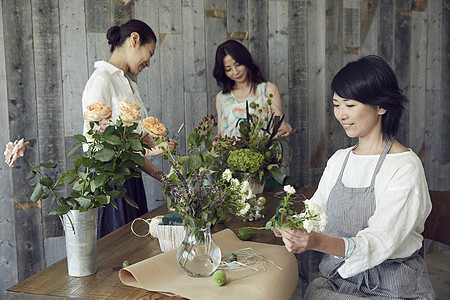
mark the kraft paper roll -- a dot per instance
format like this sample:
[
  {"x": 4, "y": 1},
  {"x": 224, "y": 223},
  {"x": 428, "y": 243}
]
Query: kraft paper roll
[{"x": 162, "y": 274}]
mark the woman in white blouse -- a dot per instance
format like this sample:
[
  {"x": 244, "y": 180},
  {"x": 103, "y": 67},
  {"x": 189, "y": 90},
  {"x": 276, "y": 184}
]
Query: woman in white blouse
[
  {"x": 375, "y": 195},
  {"x": 132, "y": 46}
]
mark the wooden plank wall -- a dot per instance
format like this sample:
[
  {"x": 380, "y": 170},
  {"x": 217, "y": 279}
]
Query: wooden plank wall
[{"x": 48, "y": 50}]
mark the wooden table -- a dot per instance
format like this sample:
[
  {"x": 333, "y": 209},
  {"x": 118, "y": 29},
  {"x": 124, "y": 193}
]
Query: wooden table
[{"x": 55, "y": 283}]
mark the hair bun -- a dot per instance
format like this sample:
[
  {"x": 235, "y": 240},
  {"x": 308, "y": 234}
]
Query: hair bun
[{"x": 113, "y": 35}]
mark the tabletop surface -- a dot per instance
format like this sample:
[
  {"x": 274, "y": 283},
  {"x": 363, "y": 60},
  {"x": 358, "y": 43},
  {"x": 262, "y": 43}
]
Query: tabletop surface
[{"x": 55, "y": 283}]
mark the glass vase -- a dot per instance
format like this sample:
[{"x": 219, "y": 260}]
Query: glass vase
[{"x": 198, "y": 255}]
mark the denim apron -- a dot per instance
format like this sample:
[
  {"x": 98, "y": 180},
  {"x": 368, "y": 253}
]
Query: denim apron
[{"x": 349, "y": 210}]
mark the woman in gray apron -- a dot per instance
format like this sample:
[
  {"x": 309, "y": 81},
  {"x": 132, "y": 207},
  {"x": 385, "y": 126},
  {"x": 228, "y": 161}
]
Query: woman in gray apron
[{"x": 375, "y": 196}]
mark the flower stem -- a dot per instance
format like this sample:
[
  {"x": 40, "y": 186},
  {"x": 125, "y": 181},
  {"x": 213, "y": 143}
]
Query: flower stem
[{"x": 42, "y": 176}]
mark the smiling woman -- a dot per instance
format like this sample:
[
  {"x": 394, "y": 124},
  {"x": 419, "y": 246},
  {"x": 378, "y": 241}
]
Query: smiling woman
[{"x": 132, "y": 46}]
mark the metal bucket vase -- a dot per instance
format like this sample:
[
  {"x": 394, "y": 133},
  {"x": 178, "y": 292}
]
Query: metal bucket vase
[{"x": 81, "y": 242}]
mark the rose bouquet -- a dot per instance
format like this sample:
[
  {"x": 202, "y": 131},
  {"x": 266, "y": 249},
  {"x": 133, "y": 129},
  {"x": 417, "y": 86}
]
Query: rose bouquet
[
  {"x": 112, "y": 154},
  {"x": 191, "y": 189}
]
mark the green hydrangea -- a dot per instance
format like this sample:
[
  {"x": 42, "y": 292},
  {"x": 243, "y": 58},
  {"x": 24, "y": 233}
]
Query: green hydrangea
[{"x": 245, "y": 160}]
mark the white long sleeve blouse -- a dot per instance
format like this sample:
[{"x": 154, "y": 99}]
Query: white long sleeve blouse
[
  {"x": 109, "y": 85},
  {"x": 402, "y": 206}
]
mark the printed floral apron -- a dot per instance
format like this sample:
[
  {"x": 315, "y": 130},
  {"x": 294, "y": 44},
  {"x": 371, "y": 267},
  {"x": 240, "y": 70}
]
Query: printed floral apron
[{"x": 349, "y": 210}]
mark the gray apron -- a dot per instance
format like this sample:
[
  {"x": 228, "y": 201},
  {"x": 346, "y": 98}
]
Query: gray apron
[{"x": 349, "y": 210}]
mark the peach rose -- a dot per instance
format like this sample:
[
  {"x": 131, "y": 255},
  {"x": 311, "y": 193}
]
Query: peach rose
[
  {"x": 14, "y": 151},
  {"x": 153, "y": 127},
  {"x": 129, "y": 112},
  {"x": 129, "y": 104},
  {"x": 97, "y": 111}
]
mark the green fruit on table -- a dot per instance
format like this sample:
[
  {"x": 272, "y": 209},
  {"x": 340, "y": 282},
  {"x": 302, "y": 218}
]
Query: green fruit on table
[
  {"x": 125, "y": 264},
  {"x": 219, "y": 277},
  {"x": 262, "y": 200},
  {"x": 245, "y": 233}
]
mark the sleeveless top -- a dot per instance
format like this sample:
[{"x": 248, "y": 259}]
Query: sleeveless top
[{"x": 231, "y": 110}]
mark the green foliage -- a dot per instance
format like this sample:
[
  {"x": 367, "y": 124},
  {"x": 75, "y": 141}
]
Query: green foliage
[
  {"x": 99, "y": 173},
  {"x": 245, "y": 160},
  {"x": 189, "y": 187},
  {"x": 257, "y": 135}
]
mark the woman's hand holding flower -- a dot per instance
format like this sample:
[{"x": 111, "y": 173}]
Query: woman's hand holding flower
[{"x": 298, "y": 240}]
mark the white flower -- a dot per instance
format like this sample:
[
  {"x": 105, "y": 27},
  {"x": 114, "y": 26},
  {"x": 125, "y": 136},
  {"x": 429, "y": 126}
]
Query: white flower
[
  {"x": 245, "y": 187},
  {"x": 226, "y": 175},
  {"x": 235, "y": 182},
  {"x": 245, "y": 209},
  {"x": 289, "y": 189},
  {"x": 308, "y": 225}
]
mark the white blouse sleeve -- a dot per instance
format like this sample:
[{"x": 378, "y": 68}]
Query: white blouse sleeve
[
  {"x": 97, "y": 89},
  {"x": 394, "y": 230}
]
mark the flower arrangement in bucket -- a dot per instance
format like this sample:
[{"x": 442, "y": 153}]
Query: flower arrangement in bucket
[
  {"x": 112, "y": 154},
  {"x": 255, "y": 155},
  {"x": 202, "y": 199}
]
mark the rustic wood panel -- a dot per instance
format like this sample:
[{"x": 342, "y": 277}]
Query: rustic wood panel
[
  {"x": 97, "y": 49},
  {"x": 418, "y": 77},
  {"x": 170, "y": 16},
  {"x": 278, "y": 48},
  {"x": 369, "y": 26},
  {"x": 385, "y": 30},
  {"x": 351, "y": 39},
  {"x": 298, "y": 86},
  {"x": 19, "y": 56},
  {"x": 121, "y": 11},
  {"x": 402, "y": 67},
  {"x": 334, "y": 49},
  {"x": 298, "y": 44},
  {"x": 315, "y": 125},
  {"x": 149, "y": 83},
  {"x": 172, "y": 85},
  {"x": 194, "y": 62},
  {"x": 74, "y": 66},
  {"x": 445, "y": 127},
  {"x": 195, "y": 110},
  {"x": 237, "y": 21},
  {"x": 215, "y": 34},
  {"x": 98, "y": 15},
  {"x": 8, "y": 256},
  {"x": 47, "y": 61},
  {"x": 258, "y": 33}
]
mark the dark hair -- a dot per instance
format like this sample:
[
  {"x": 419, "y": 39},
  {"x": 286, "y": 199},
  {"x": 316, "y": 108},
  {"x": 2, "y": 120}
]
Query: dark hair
[
  {"x": 240, "y": 54},
  {"x": 116, "y": 35},
  {"x": 370, "y": 80}
]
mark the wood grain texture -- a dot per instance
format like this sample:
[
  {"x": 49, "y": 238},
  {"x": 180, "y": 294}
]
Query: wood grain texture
[
  {"x": 258, "y": 33},
  {"x": 194, "y": 63},
  {"x": 98, "y": 15},
  {"x": 121, "y": 11},
  {"x": 315, "y": 125},
  {"x": 122, "y": 245},
  {"x": 8, "y": 255},
  {"x": 215, "y": 34},
  {"x": 402, "y": 66},
  {"x": 297, "y": 98},
  {"x": 418, "y": 81},
  {"x": 170, "y": 16},
  {"x": 334, "y": 49},
  {"x": 437, "y": 226},
  {"x": 149, "y": 83},
  {"x": 74, "y": 65},
  {"x": 445, "y": 127},
  {"x": 237, "y": 21}
]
